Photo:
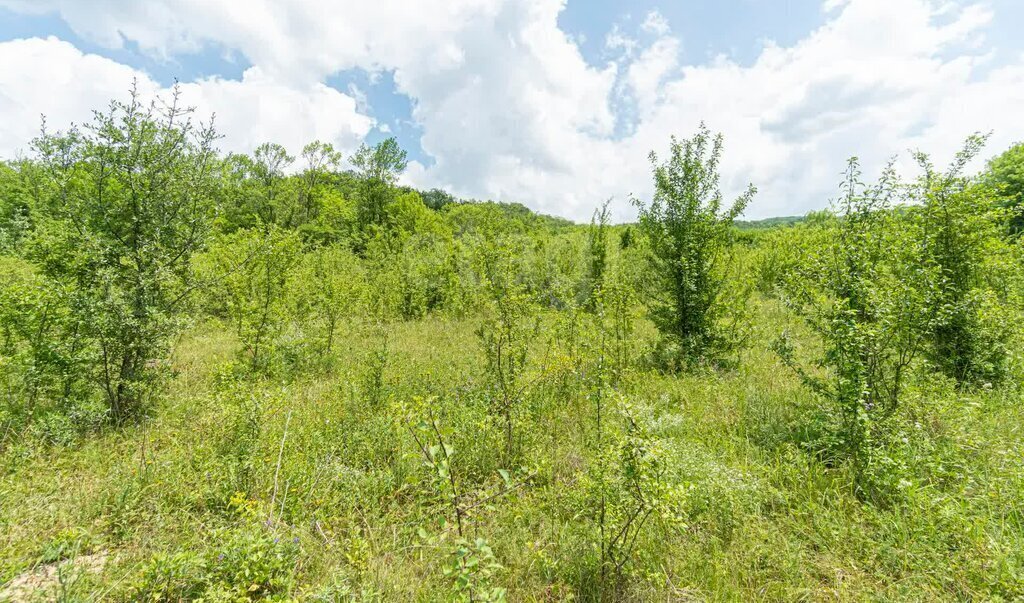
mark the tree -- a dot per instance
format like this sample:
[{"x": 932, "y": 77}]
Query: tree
[
  {"x": 855, "y": 285},
  {"x": 597, "y": 257},
  {"x": 268, "y": 166},
  {"x": 378, "y": 167},
  {"x": 1006, "y": 173},
  {"x": 688, "y": 232},
  {"x": 255, "y": 189},
  {"x": 15, "y": 204},
  {"x": 509, "y": 327},
  {"x": 321, "y": 159},
  {"x": 331, "y": 286},
  {"x": 127, "y": 202},
  {"x": 961, "y": 238},
  {"x": 247, "y": 273},
  {"x": 436, "y": 198}
]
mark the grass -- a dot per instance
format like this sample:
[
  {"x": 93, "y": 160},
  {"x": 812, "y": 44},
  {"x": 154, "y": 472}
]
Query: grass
[{"x": 310, "y": 486}]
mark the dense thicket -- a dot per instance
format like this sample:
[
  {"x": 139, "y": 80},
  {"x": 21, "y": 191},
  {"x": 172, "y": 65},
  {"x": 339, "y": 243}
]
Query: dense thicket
[{"x": 268, "y": 376}]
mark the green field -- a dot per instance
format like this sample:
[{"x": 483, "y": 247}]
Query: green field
[{"x": 229, "y": 383}]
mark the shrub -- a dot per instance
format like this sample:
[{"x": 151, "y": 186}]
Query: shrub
[
  {"x": 505, "y": 334},
  {"x": 960, "y": 235},
  {"x": 171, "y": 577},
  {"x": 857, "y": 293},
  {"x": 688, "y": 233},
  {"x": 473, "y": 564},
  {"x": 127, "y": 201},
  {"x": 15, "y": 203},
  {"x": 1005, "y": 173},
  {"x": 246, "y": 273},
  {"x": 627, "y": 489},
  {"x": 331, "y": 285},
  {"x": 596, "y": 257},
  {"x": 248, "y": 564},
  {"x": 43, "y": 351}
]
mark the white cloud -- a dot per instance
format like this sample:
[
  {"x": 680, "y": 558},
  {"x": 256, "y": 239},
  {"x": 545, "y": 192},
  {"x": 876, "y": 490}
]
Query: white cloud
[
  {"x": 510, "y": 109},
  {"x": 616, "y": 40},
  {"x": 53, "y": 78},
  {"x": 647, "y": 75},
  {"x": 655, "y": 23}
]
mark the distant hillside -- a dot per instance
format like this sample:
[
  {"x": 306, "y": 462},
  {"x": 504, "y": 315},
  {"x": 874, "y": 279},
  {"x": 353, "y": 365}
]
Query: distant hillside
[{"x": 769, "y": 222}]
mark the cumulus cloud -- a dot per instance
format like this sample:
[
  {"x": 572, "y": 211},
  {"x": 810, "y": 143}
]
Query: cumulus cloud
[
  {"x": 53, "y": 78},
  {"x": 510, "y": 109}
]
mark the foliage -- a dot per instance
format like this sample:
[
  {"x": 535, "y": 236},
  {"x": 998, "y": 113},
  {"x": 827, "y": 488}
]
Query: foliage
[
  {"x": 858, "y": 294},
  {"x": 597, "y": 256},
  {"x": 379, "y": 167},
  {"x": 15, "y": 204},
  {"x": 436, "y": 198},
  {"x": 125, "y": 203},
  {"x": 688, "y": 232},
  {"x": 473, "y": 564},
  {"x": 246, "y": 274},
  {"x": 332, "y": 287},
  {"x": 629, "y": 488},
  {"x": 41, "y": 354},
  {"x": 246, "y": 565},
  {"x": 447, "y": 401},
  {"x": 505, "y": 334},
  {"x": 1006, "y": 174},
  {"x": 960, "y": 239}
]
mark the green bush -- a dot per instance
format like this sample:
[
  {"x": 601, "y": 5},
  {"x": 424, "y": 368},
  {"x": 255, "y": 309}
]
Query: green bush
[
  {"x": 857, "y": 293},
  {"x": 245, "y": 564},
  {"x": 246, "y": 274},
  {"x": 122, "y": 250},
  {"x": 1005, "y": 174},
  {"x": 688, "y": 234},
  {"x": 961, "y": 240}
]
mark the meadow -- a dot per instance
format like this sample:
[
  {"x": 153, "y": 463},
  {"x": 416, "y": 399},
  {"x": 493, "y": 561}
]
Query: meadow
[{"x": 225, "y": 379}]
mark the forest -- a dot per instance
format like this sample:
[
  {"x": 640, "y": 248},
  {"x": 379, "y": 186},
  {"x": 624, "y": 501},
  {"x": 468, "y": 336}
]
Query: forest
[{"x": 246, "y": 377}]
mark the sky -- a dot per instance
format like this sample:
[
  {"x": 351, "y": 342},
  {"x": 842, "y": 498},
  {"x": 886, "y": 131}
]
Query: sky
[{"x": 551, "y": 103}]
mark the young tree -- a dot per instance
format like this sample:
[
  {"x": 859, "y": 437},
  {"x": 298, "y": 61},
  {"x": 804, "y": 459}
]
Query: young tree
[
  {"x": 247, "y": 274},
  {"x": 510, "y": 325},
  {"x": 961, "y": 239},
  {"x": 379, "y": 167},
  {"x": 689, "y": 232},
  {"x": 331, "y": 286},
  {"x": 321, "y": 159},
  {"x": 15, "y": 203},
  {"x": 1006, "y": 174},
  {"x": 597, "y": 257},
  {"x": 41, "y": 347},
  {"x": 129, "y": 199},
  {"x": 436, "y": 198},
  {"x": 856, "y": 288},
  {"x": 267, "y": 170},
  {"x": 257, "y": 191}
]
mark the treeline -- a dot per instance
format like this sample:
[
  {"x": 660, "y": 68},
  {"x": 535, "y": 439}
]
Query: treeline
[{"x": 117, "y": 233}]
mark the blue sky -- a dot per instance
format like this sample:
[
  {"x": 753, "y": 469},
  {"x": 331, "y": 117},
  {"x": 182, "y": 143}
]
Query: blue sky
[
  {"x": 708, "y": 28},
  {"x": 552, "y": 105},
  {"x": 212, "y": 60}
]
